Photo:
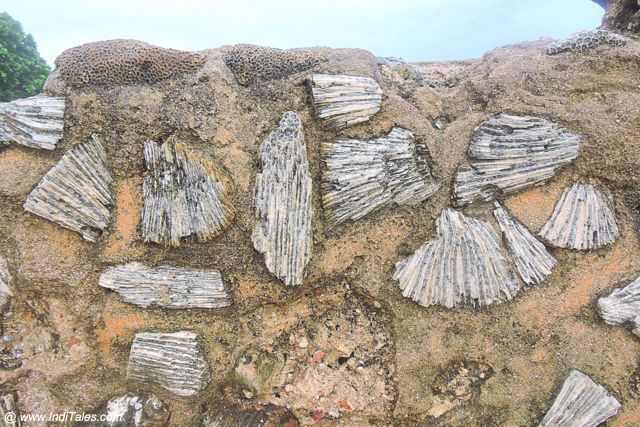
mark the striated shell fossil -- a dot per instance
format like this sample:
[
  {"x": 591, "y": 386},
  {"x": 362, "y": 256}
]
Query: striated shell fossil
[
  {"x": 35, "y": 122},
  {"x": 9, "y": 414},
  {"x": 345, "y": 100},
  {"x": 581, "y": 402},
  {"x": 509, "y": 153},
  {"x": 221, "y": 414},
  {"x": 363, "y": 176},
  {"x": 165, "y": 286},
  {"x": 622, "y": 306},
  {"x": 582, "y": 219},
  {"x": 532, "y": 260},
  {"x": 6, "y": 294},
  {"x": 282, "y": 202},
  {"x": 585, "y": 40},
  {"x": 464, "y": 264},
  {"x": 170, "y": 360},
  {"x": 76, "y": 192},
  {"x": 184, "y": 195},
  {"x": 132, "y": 409}
]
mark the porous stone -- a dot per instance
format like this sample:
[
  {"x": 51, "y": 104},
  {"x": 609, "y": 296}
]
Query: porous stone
[
  {"x": 251, "y": 64},
  {"x": 184, "y": 195},
  {"x": 76, "y": 192},
  {"x": 168, "y": 287},
  {"x": 133, "y": 409},
  {"x": 123, "y": 62},
  {"x": 585, "y": 40},
  {"x": 169, "y": 360},
  {"x": 533, "y": 262},
  {"x": 343, "y": 101},
  {"x": 464, "y": 264},
  {"x": 581, "y": 402},
  {"x": 35, "y": 122},
  {"x": 282, "y": 202},
  {"x": 509, "y": 153},
  {"x": 583, "y": 219},
  {"x": 364, "y": 176},
  {"x": 622, "y": 306}
]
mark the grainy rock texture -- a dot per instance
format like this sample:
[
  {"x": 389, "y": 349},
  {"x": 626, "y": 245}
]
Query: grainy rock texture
[
  {"x": 621, "y": 14},
  {"x": 344, "y": 346}
]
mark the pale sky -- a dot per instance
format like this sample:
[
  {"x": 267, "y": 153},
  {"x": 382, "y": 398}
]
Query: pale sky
[{"x": 411, "y": 29}]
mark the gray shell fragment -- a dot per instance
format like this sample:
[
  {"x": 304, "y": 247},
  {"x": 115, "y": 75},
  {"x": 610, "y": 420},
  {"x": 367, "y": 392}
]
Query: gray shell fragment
[
  {"x": 345, "y": 100},
  {"x": 581, "y": 402},
  {"x": 364, "y": 176},
  {"x": 35, "y": 122},
  {"x": 132, "y": 410},
  {"x": 622, "y": 306},
  {"x": 509, "y": 153},
  {"x": 76, "y": 192},
  {"x": 9, "y": 404},
  {"x": 165, "y": 286},
  {"x": 282, "y": 202},
  {"x": 582, "y": 219},
  {"x": 585, "y": 40},
  {"x": 170, "y": 360},
  {"x": 183, "y": 195},
  {"x": 532, "y": 260},
  {"x": 464, "y": 264},
  {"x": 6, "y": 294}
]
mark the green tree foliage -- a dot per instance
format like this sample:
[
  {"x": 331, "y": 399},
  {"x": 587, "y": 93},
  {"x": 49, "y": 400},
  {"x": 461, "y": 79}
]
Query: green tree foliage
[{"x": 22, "y": 70}]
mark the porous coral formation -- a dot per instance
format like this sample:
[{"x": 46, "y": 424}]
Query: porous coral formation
[
  {"x": 123, "y": 62},
  {"x": 35, "y": 122},
  {"x": 251, "y": 64},
  {"x": 585, "y": 40}
]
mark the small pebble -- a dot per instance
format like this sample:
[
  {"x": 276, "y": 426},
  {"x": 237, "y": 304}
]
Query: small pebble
[
  {"x": 288, "y": 388},
  {"x": 303, "y": 343},
  {"x": 318, "y": 356},
  {"x": 317, "y": 415}
]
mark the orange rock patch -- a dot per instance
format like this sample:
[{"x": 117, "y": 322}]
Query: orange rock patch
[
  {"x": 128, "y": 207},
  {"x": 117, "y": 327}
]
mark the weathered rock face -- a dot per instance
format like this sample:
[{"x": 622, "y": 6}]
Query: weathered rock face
[
  {"x": 621, "y": 15},
  {"x": 344, "y": 345}
]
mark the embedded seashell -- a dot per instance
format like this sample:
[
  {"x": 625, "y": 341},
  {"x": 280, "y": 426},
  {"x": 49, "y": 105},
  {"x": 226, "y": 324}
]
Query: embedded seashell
[
  {"x": 168, "y": 287},
  {"x": 133, "y": 409},
  {"x": 6, "y": 292},
  {"x": 622, "y": 306},
  {"x": 35, "y": 122},
  {"x": 282, "y": 202},
  {"x": 170, "y": 360},
  {"x": 509, "y": 153},
  {"x": 583, "y": 218},
  {"x": 464, "y": 264},
  {"x": 532, "y": 260},
  {"x": 184, "y": 195},
  {"x": 76, "y": 192},
  {"x": 345, "y": 100},
  {"x": 581, "y": 402},
  {"x": 364, "y": 176},
  {"x": 9, "y": 414},
  {"x": 585, "y": 40}
]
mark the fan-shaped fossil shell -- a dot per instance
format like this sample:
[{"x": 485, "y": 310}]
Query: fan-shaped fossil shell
[
  {"x": 164, "y": 286},
  {"x": 170, "y": 360},
  {"x": 532, "y": 260},
  {"x": 464, "y": 264},
  {"x": 582, "y": 219},
  {"x": 345, "y": 100},
  {"x": 509, "y": 153},
  {"x": 183, "y": 195},
  {"x": 282, "y": 202},
  {"x": 581, "y": 402},
  {"x": 363, "y": 176},
  {"x": 35, "y": 122},
  {"x": 622, "y": 306},
  {"x": 76, "y": 192}
]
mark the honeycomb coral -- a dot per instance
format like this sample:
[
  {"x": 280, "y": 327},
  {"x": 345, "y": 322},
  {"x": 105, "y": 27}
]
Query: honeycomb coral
[
  {"x": 585, "y": 40},
  {"x": 118, "y": 62},
  {"x": 250, "y": 63}
]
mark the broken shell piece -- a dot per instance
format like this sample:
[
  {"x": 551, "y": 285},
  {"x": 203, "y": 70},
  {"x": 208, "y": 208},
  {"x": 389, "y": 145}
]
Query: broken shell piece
[
  {"x": 532, "y": 260},
  {"x": 5, "y": 286},
  {"x": 165, "y": 286},
  {"x": 184, "y": 195},
  {"x": 170, "y": 360},
  {"x": 9, "y": 415},
  {"x": 585, "y": 40},
  {"x": 221, "y": 414},
  {"x": 622, "y": 306},
  {"x": 464, "y": 264},
  {"x": 582, "y": 219},
  {"x": 35, "y": 122},
  {"x": 345, "y": 100},
  {"x": 76, "y": 192},
  {"x": 581, "y": 402},
  {"x": 509, "y": 153},
  {"x": 364, "y": 176},
  {"x": 282, "y": 202},
  {"x": 137, "y": 410}
]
